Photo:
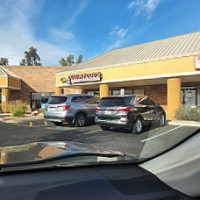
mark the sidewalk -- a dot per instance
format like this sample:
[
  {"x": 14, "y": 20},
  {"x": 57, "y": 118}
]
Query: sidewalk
[
  {"x": 10, "y": 119},
  {"x": 184, "y": 123}
]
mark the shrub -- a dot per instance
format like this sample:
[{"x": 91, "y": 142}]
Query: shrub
[
  {"x": 188, "y": 113},
  {"x": 17, "y": 108}
]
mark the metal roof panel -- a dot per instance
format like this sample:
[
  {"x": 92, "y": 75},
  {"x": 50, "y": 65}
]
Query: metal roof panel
[{"x": 177, "y": 46}]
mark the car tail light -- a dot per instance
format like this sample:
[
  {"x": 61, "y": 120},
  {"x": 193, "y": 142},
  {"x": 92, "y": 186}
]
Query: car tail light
[
  {"x": 64, "y": 107},
  {"x": 98, "y": 108},
  {"x": 124, "y": 108}
]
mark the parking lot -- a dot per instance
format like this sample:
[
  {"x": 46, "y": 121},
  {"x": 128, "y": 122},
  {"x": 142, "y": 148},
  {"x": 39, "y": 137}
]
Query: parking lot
[{"x": 153, "y": 140}]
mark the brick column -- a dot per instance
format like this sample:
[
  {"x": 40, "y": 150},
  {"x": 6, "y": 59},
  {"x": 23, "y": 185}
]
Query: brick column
[
  {"x": 59, "y": 91},
  {"x": 5, "y": 95},
  {"x": 104, "y": 90},
  {"x": 173, "y": 97}
]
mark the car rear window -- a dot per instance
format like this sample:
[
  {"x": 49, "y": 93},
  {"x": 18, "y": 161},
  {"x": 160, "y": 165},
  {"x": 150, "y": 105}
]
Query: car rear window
[
  {"x": 112, "y": 101},
  {"x": 57, "y": 100}
]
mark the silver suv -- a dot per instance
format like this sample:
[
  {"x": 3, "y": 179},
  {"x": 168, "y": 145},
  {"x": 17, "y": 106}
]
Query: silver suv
[{"x": 76, "y": 109}]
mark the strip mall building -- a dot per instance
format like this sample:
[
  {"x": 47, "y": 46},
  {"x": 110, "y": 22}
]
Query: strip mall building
[{"x": 166, "y": 70}]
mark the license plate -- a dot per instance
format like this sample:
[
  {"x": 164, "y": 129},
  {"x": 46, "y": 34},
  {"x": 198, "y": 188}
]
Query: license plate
[
  {"x": 52, "y": 109},
  {"x": 59, "y": 109},
  {"x": 108, "y": 112}
]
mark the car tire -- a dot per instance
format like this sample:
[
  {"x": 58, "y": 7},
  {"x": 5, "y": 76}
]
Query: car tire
[
  {"x": 162, "y": 120},
  {"x": 138, "y": 126},
  {"x": 58, "y": 123},
  {"x": 80, "y": 120},
  {"x": 105, "y": 128}
]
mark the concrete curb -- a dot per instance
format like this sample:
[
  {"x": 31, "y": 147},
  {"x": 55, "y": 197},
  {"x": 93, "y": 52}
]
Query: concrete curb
[{"x": 184, "y": 123}]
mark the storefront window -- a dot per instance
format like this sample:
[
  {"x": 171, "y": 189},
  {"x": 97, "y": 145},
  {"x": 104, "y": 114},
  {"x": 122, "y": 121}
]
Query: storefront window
[
  {"x": 189, "y": 96},
  {"x": 128, "y": 91},
  {"x": 95, "y": 93},
  {"x": 39, "y": 99},
  {"x": 139, "y": 91},
  {"x": 115, "y": 92},
  {"x": 198, "y": 96}
]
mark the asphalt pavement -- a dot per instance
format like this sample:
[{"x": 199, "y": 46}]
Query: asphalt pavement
[{"x": 152, "y": 141}]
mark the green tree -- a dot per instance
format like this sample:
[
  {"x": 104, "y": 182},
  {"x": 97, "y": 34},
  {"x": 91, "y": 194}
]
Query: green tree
[
  {"x": 80, "y": 59},
  {"x": 69, "y": 61},
  {"x": 31, "y": 58},
  {"x": 62, "y": 62},
  {"x": 4, "y": 61},
  {"x": 23, "y": 62}
]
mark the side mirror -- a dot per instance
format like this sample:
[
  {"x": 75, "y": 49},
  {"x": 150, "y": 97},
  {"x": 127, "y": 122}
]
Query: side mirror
[{"x": 157, "y": 104}]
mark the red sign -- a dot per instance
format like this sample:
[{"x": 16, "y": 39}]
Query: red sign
[
  {"x": 197, "y": 62},
  {"x": 86, "y": 77}
]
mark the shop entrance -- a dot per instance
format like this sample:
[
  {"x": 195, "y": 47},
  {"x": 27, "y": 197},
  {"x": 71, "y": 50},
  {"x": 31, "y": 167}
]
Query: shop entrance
[
  {"x": 39, "y": 99},
  {"x": 189, "y": 96}
]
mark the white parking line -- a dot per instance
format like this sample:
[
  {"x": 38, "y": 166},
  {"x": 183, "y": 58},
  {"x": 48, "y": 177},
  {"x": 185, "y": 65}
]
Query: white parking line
[{"x": 161, "y": 134}]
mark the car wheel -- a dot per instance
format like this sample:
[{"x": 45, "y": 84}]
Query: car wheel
[
  {"x": 162, "y": 120},
  {"x": 58, "y": 123},
  {"x": 105, "y": 128},
  {"x": 138, "y": 126},
  {"x": 80, "y": 120}
]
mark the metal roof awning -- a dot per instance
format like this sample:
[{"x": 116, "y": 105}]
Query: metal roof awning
[{"x": 163, "y": 49}]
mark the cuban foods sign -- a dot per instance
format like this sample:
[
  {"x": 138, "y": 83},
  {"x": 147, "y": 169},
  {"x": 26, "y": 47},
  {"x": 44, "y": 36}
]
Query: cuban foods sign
[{"x": 83, "y": 78}]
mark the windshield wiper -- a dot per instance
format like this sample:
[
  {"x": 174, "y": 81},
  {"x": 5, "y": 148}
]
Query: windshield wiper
[{"x": 67, "y": 159}]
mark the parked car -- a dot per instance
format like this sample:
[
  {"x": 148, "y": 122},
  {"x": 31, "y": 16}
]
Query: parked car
[
  {"x": 76, "y": 109},
  {"x": 130, "y": 112}
]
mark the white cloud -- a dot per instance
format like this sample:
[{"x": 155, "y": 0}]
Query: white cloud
[
  {"x": 114, "y": 45},
  {"x": 60, "y": 35},
  {"x": 118, "y": 37},
  {"x": 120, "y": 32},
  {"x": 143, "y": 7},
  {"x": 132, "y": 4},
  {"x": 17, "y": 34},
  {"x": 78, "y": 11}
]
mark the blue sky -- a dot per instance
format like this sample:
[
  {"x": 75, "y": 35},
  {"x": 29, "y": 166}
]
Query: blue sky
[{"x": 89, "y": 27}]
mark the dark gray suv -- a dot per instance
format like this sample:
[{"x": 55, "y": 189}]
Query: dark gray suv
[
  {"x": 76, "y": 109},
  {"x": 130, "y": 112}
]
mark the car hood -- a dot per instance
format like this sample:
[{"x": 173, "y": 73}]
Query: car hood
[{"x": 39, "y": 151}]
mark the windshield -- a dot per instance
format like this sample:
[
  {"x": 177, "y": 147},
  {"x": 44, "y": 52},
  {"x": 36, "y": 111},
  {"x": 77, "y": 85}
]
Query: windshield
[
  {"x": 57, "y": 100},
  {"x": 113, "y": 102},
  {"x": 115, "y": 80}
]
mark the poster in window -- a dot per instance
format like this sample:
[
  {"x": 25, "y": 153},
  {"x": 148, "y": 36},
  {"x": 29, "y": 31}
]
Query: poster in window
[{"x": 3, "y": 98}]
